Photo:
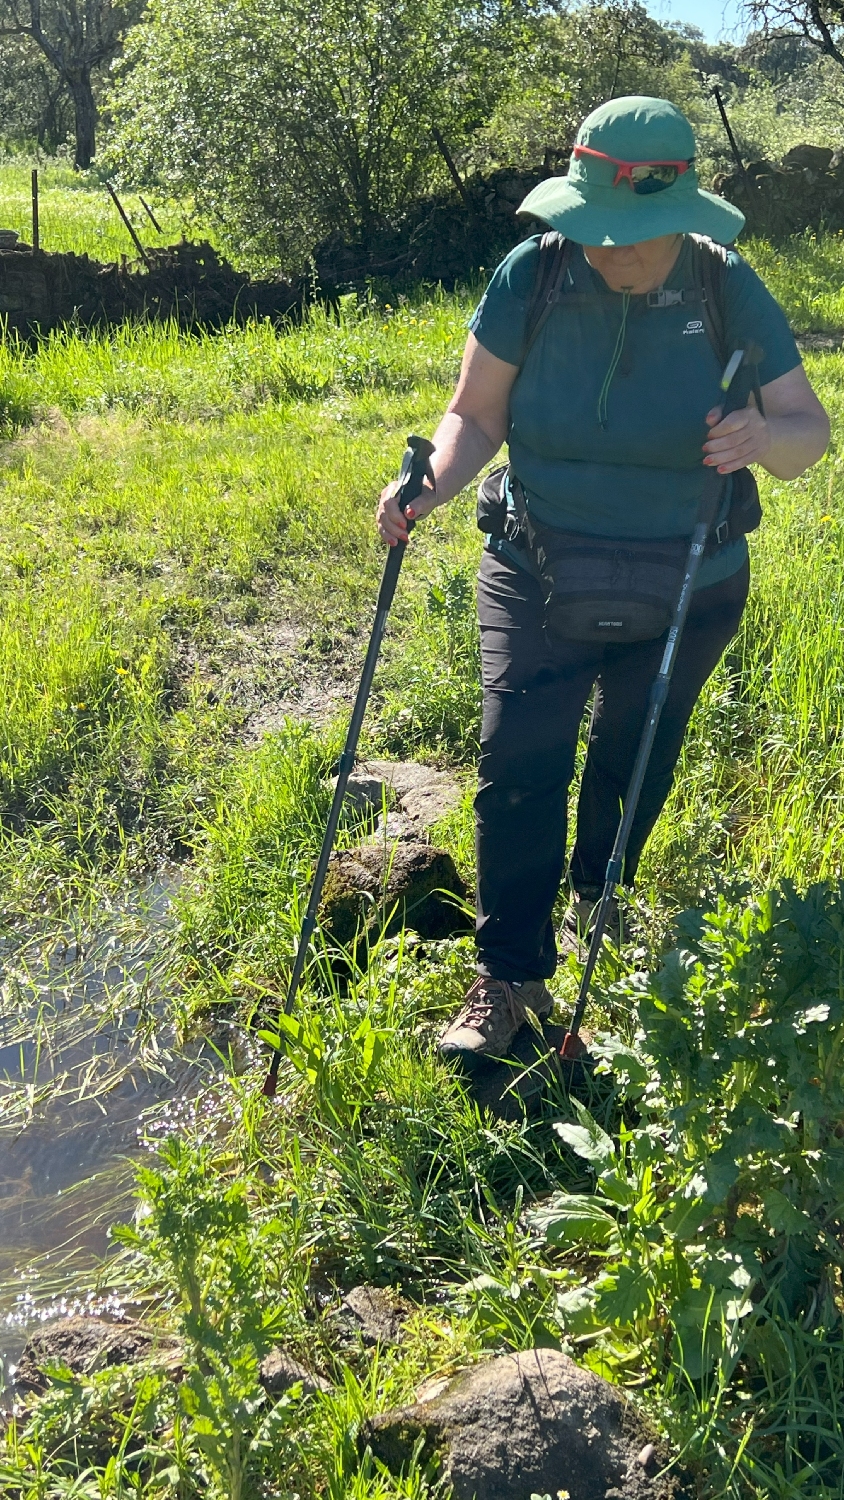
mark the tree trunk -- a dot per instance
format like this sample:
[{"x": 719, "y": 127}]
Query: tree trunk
[{"x": 85, "y": 111}]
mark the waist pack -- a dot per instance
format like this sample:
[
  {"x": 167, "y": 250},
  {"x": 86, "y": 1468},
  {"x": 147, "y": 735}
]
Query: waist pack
[{"x": 603, "y": 589}]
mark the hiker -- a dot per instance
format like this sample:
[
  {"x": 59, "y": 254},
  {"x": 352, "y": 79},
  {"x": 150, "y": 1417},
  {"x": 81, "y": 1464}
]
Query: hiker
[{"x": 604, "y": 404}]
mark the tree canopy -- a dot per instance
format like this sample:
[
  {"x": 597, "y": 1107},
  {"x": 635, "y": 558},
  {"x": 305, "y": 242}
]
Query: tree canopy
[
  {"x": 580, "y": 56},
  {"x": 289, "y": 119},
  {"x": 820, "y": 22}
]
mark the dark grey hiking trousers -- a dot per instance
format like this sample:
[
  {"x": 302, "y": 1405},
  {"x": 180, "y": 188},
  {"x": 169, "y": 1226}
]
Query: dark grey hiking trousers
[{"x": 533, "y": 704}]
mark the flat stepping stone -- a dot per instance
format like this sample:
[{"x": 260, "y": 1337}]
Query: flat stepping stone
[{"x": 418, "y": 795}]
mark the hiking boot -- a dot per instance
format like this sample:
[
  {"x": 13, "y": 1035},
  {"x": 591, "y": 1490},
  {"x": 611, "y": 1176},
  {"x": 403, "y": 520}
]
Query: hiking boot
[
  {"x": 492, "y": 1014},
  {"x": 579, "y": 920}
]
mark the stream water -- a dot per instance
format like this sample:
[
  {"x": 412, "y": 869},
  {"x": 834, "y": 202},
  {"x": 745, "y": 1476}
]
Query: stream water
[{"x": 86, "y": 1055}]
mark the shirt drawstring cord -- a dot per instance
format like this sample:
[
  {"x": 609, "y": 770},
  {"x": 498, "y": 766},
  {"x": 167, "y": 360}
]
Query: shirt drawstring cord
[{"x": 614, "y": 362}]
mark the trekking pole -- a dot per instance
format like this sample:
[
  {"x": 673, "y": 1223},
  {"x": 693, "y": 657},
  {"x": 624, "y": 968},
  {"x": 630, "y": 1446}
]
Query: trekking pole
[
  {"x": 415, "y": 469},
  {"x": 573, "y": 1047}
]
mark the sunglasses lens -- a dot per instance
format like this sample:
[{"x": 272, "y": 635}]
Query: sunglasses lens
[{"x": 652, "y": 179}]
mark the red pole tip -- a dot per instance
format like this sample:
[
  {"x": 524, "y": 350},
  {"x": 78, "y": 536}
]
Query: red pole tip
[
  {"x": 269, "y": 1088},
  {"x": 573, "y": 1048}
]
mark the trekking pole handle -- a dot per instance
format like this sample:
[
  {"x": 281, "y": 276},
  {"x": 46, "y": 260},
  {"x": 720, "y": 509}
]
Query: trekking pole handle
[{"x": 415, "y": 469}]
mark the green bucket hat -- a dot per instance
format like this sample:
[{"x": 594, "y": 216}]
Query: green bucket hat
[{"x": 586, "y": 206}]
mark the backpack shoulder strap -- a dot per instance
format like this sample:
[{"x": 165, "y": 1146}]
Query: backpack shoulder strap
[
  {"x": 709, "y": 261},
  {"x": 554, "y": 258}
]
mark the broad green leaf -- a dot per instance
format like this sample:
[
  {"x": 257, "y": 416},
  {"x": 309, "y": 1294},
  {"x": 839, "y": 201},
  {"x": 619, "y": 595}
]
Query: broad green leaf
[
  {"x": 588, "y": 1140},
  {"x": 291, "y": 1027},
  {"x": 721, "y": 1174},
  {"x": 573, "y": 1219},
  {"x": 627, "y": 1066},
  {"x": 753, "y": 1129},
  {"x": 624, "y": 1294},
  {"x": 481, "y": 1283},
  {"x": 704, "y": 1320},
  {"x": 781, "y": 1214},
  {"x": 576, "y": 1309},
  {"x": 685, "y": 1218},
  {"x": 646, "y": 1146},
  {"x": 617, "y": 1188},
  {"x": 703, "y": 1307}
]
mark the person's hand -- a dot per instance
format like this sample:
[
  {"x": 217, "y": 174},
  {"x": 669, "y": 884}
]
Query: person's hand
[
  {"x": 390, "y": 521},
  {"x": 743, "y": 437}
]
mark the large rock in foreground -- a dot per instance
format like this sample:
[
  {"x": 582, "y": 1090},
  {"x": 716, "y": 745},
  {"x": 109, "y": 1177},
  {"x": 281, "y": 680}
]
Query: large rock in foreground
[
  {"x": 390, "y": 885},
  {"x": 528, "y": 1423}
]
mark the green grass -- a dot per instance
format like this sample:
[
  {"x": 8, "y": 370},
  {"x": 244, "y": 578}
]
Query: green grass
[
  {"x": 77, "y": 214},
  {"x": 806, "y": 275},
  {"x": 162, "y": 372},
  {"x": 759, "y": 785},
  {"x": 194, "y": 494},
  {"x": 188, "y": 535}
]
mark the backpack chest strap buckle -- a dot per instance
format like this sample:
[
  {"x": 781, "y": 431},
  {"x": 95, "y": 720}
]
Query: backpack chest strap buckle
[{"x": 663, "y": 297}]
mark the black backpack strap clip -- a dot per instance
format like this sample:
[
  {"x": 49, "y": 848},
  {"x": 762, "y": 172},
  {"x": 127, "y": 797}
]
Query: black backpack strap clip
[{"x": 663, "y": 297}]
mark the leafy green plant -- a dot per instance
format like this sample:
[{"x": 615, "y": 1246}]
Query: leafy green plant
[
  {"x": 341, "y": 1069},
  {"x": 200, "y": 1233},
  {"x": 718, "y": 1206}
]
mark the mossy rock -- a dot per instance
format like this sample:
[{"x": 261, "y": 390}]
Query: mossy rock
[{"x": 382, "y": 887}]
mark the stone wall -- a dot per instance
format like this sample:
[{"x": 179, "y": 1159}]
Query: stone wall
[
  {"x": 187, "y": 282},
  {"x": 443, "y": 238},
  {"x": 805, "y": 190}
]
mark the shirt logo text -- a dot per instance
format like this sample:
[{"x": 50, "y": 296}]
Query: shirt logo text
[{"x": 693, "y": 326}]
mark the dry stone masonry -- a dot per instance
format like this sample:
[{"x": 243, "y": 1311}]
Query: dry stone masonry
[{"x": 188, "y": 282}]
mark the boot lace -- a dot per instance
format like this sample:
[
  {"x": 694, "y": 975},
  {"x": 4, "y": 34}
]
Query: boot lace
[{"x": 481, "y": 1000}]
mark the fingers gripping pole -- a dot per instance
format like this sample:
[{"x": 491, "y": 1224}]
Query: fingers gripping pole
[{"x": 415, "y": 469}]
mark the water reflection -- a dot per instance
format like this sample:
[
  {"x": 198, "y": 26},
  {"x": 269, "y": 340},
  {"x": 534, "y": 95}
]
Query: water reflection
[{"x": 86, "y": 1052}]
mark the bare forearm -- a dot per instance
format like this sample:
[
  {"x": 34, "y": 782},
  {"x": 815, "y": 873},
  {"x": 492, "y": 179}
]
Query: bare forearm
[
  {"x": 462, "y": 448},
  {"x": 797, "y": 441},
  {"x": 469, "y": 435}
]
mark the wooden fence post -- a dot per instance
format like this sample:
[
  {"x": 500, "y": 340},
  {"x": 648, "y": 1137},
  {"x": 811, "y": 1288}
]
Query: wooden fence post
[
  {"x": 36, "y": 228},
  {"x": 126, "y": 220}
]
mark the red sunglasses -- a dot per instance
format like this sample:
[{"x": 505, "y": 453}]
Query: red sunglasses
[{"x": 643, "y": 176}]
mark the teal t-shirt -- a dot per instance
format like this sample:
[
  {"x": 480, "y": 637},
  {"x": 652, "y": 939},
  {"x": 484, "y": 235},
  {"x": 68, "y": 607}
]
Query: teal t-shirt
[{"x": 633, "y": 466}]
